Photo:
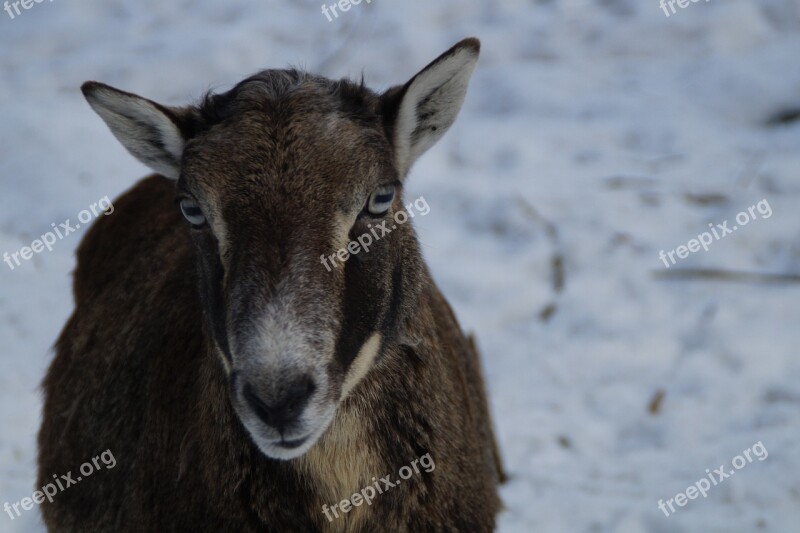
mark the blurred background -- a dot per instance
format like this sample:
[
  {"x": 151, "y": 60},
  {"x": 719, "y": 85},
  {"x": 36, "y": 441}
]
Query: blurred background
[{"x": 596, "y": 133}]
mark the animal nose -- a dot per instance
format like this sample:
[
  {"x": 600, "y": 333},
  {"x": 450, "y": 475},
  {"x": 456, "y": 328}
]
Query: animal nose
[{"x": 286, "y": 407}]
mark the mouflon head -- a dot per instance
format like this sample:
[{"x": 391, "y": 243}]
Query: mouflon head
[{"x": 291, "y": 187}]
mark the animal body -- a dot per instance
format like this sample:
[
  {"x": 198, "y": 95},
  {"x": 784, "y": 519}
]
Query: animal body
[{"x": 246, "y": 374}]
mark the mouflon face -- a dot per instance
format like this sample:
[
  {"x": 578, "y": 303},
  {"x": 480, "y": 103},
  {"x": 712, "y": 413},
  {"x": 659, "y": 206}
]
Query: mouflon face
[{"x": 291, "y": 187}]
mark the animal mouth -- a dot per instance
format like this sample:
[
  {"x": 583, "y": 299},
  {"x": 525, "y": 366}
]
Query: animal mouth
[{"x": 290, "y": 444}]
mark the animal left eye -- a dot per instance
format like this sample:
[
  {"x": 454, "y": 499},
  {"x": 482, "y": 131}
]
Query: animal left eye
[
  {"x": 192, "y": 212},
  {"x": 381, "y": 200}
]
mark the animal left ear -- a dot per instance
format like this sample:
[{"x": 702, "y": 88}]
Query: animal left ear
[{"x": 420, "y": 112}]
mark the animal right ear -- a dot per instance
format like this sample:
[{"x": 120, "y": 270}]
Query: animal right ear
[{"x": 152, "y": 133}]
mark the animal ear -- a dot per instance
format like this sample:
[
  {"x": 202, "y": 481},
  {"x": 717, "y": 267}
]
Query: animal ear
[
  {"x": 152, "y": 133},
  {"x": 420, "y": 112}
]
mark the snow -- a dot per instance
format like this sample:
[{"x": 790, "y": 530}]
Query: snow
[{"x": 598, "y": 131}]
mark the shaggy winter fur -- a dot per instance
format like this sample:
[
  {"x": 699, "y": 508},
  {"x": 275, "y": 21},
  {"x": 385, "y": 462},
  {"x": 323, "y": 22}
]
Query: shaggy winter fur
[{"x": 240, "y": 384}]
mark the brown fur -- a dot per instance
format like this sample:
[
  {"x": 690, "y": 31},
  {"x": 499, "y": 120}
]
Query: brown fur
[{"x": 139, "y": 368}]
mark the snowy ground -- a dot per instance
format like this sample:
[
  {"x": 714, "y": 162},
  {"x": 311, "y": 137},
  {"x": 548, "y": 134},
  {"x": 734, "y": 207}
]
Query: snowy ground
[{"x": 596, "y": 133}]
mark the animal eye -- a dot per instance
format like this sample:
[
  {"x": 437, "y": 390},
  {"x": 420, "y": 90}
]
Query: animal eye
[
  {"x": 381, "y": 200},
  {"x": 192, "y": 212}
]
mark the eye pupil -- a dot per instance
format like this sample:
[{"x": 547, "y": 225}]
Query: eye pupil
[
  {"x": 192, "y": 213},
  {"x": 381, "y": 201}
]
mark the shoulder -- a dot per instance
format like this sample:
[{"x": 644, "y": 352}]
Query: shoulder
[{"x": 139, "y": 235}]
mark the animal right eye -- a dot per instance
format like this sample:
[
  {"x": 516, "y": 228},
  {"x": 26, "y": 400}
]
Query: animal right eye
[
  {"x": 192, "y": 212},
  {"x": 381, "y": 200}
]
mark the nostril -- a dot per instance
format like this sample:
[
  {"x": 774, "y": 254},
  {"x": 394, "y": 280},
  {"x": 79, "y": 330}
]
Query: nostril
[
  {"x": 300, "y": 391},
  {"x": 263, "y": 410},
  {"x": 286, "y": 408}
]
